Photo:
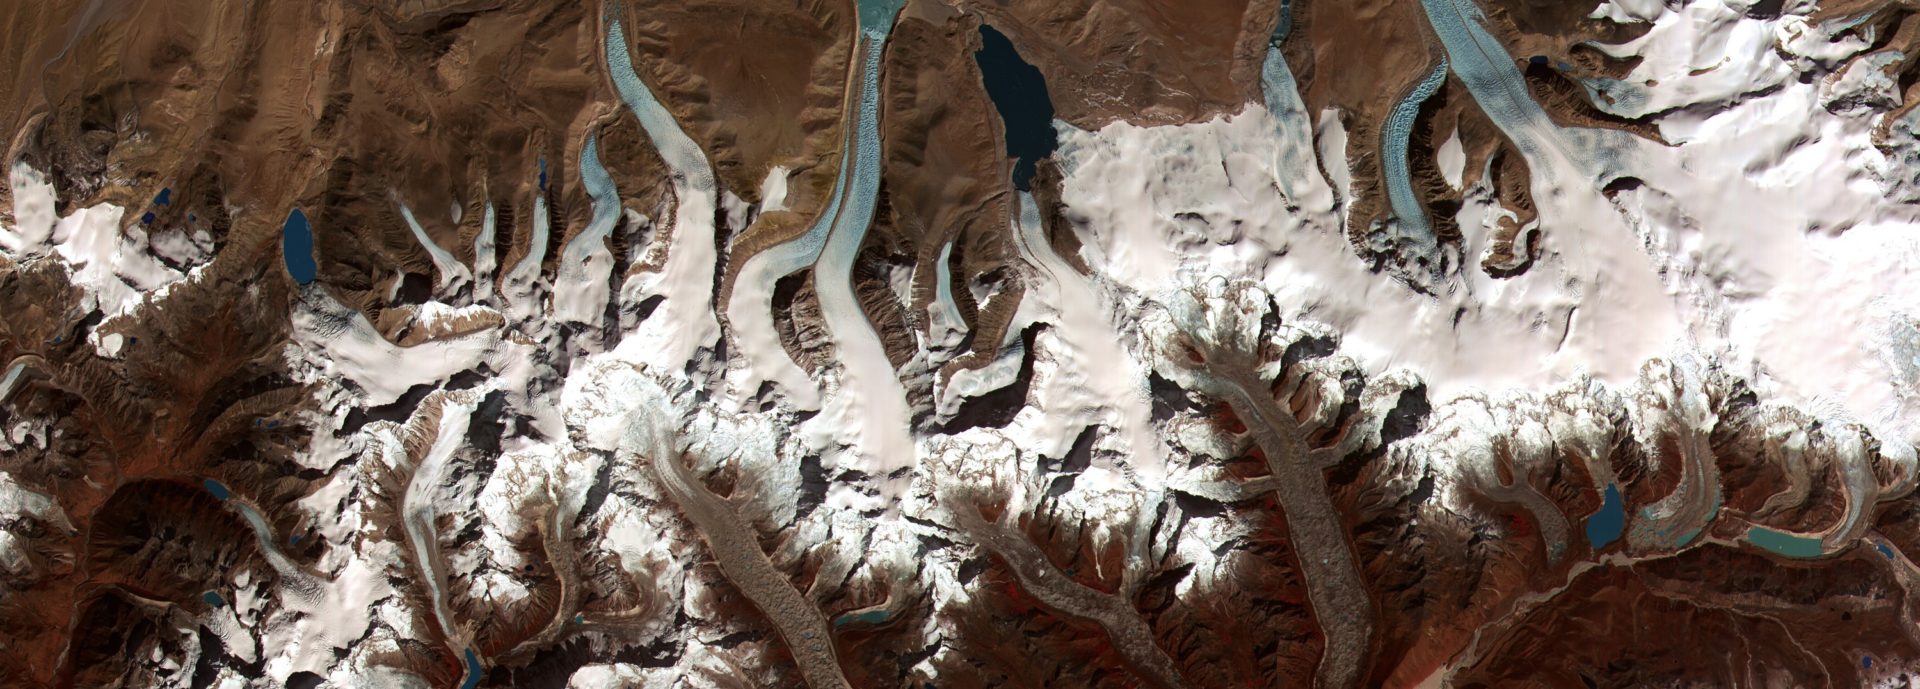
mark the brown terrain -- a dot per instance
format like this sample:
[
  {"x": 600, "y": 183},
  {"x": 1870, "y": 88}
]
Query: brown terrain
[
  {"x": 1366, "y": 77},
  {"x": 1142, "y": 61},
  {"x": 1347, "y": 570},
  {"x": 188, "y": 401},
  {"x": 243, "y": 110},
  {"x": 946, "y": 175}
]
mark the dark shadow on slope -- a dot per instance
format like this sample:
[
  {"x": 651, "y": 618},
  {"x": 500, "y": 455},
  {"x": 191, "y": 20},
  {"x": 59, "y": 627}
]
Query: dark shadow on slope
[{"x": 996, "y": 409}]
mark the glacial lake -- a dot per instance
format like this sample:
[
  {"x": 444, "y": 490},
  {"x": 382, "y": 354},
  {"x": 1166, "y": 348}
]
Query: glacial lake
[
  {"x": 296, "y": 244},
  {"x": 1019, "y": 93}
]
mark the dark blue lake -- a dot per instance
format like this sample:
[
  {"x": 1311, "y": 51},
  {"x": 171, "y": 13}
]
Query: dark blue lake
[
  {"x": 1019, "y": 92},
  {"x": 1605, "y": 526},
  {"x": 214, "y": 599},
  {"x": 296, "y": 244},
  {"x": 473, "y": 670},
  {"x": 218, "y": 489},
  {"x": 164, "y": 197}
]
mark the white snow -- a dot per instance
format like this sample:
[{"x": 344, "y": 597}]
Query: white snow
[
  {"x": 19, "y": 502},
  {"x": 622, "y": 676},
  {"x": 580, "y": 289},
  {"x": 686, "y": 322},
  {"x": 1126, "y": 184},
  {"x": 945, "y": 326},
  {"x": 448, "y": 270},
  {"x": 485, "y": 260},
  {"x": 1763, "y": 240},
  {"x": 1090, "y": 377},
  {"x": 972, "y": 382},
  {"x": 419, "y": 510},
  {"x": 773, "y": 190},
  {"x": 1331, "y": 133},
  {"x": 110, "y": 345},
  {"x": 348, "y": 346},
  {"x": 1764, "y": 235},
  {"x": 117, "y": 268},
  {"x": 182, "y": 247},
  {"x": 316, "y": 615},
  {"x": 1453, "y": 159},
  {"x": 1628, "y": 11},
  {"x": 522, "y": 282},
  {"x": 757, "y": 339},
  {"x": 1702, "y": 52},
  {"x": 33, "y": 212},
  {"x": 113, "y": 267}
]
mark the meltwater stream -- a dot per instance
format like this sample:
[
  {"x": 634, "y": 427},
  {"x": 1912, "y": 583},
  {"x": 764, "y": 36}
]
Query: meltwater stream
[
  {"x": 868, "y": 409},
  {"x": 449, "y": 271},
  {"x": 1280, "y": 92},
  {"x": 1410, "y": 218},
  {"x": 686, "y": 322},
  {"x": 12, "y": 379},
  {"x": 580, "y": 283},
  {"x": 869, "y": 399},
  {"x": 299, "y": 581},
  {"x": 1497, "y": 85}
]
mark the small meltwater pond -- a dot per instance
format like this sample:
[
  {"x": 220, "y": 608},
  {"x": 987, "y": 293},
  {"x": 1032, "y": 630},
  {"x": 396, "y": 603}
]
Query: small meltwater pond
[{"x": 165, "y": 197}]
